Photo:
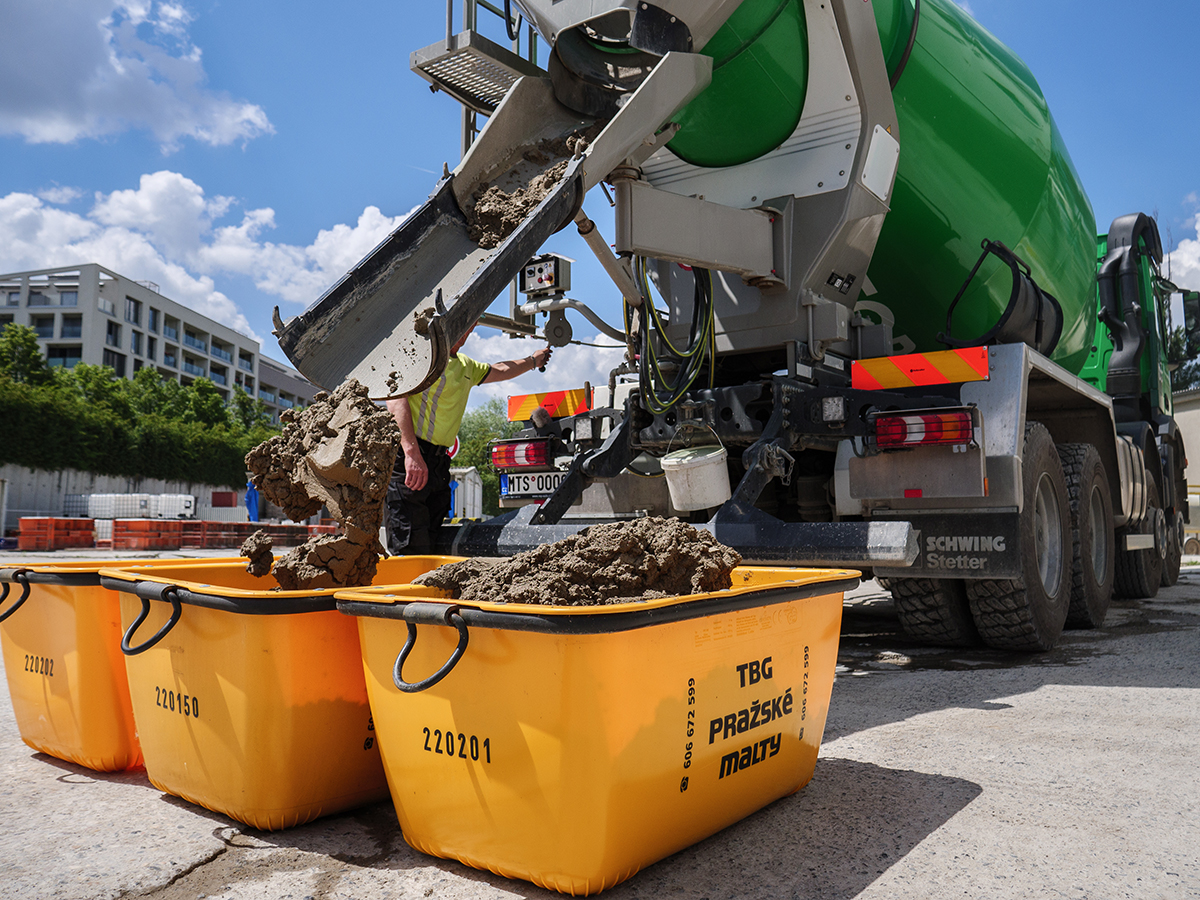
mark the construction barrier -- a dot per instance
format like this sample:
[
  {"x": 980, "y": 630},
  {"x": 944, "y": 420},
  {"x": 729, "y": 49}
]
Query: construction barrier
[{"x": 49, "y": 533}]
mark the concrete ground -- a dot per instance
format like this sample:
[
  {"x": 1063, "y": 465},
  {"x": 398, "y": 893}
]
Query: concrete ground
[{"x": 963, "y": 774}]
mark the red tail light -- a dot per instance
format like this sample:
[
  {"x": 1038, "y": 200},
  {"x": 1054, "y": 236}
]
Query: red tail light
[
  {"x": 924, "y": 428},
  {"x": 522, "y": 455}
]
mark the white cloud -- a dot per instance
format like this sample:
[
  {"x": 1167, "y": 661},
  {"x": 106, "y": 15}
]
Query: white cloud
[
  {"x": 165, "y": 230},
  {"x": 171, "y": 209},
  {"x": 60, "y": 195},
  {"x": 1183, "y": 262},
  {"x": 296, "y": 274},
  {"x": 76, "y": 69},
  {"x": 569, "y": 366}
]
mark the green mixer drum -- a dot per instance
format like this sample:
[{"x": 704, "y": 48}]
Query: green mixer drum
[
  {"x": 980, "y": 157},
  {"x": 760, "y": 77}
]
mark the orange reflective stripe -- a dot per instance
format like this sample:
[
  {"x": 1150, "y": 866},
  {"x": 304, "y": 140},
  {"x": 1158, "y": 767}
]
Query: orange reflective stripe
[
  {"x": 919, "y": 369},
  {"x": 557, "y": 403}
]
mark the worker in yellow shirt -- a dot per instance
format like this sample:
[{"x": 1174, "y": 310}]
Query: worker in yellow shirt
[{"x": 418, "y": 497}]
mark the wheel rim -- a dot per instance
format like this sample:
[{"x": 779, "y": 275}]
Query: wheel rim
[
  {"x": 1100, "y": 536},
  {"x": 1047, "y": 534},
  {"x": 1160, "y": 533}
]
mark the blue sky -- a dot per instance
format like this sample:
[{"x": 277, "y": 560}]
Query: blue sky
[{"x": 244, "y": 155}]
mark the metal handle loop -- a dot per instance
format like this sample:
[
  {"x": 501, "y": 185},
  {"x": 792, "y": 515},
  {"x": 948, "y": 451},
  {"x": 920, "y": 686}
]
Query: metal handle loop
[
  {"x": 20, "y": 577},
  {"x": 687, "y": 424},
  {"x": 169, "y": 593},
  {"x": 452, "y": 618}
]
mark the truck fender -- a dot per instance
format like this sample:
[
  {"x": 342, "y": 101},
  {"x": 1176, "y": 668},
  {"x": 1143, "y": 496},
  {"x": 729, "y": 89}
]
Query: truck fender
[{"x": 1174, "y": 459}]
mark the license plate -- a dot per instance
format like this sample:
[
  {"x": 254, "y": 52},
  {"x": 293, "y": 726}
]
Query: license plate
[{"x": 532, "y": 484}]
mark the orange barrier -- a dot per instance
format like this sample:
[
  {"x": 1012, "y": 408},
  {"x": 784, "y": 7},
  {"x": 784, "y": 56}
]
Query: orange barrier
[{"x": 49, "y": 533}]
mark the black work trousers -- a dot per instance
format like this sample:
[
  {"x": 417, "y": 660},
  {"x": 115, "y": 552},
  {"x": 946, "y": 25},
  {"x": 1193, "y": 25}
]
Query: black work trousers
[{"x": 412, "y": 518}]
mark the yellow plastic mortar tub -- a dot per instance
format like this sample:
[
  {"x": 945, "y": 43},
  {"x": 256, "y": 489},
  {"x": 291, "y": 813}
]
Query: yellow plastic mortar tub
[
  {"x": 60, "y": 631},
  {"x": 249, "y": 700},
  {"x": 572, "y": 746}
]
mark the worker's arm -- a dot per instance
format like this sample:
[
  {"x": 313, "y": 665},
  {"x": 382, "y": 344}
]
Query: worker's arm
[
  {"x": 416, "y": 473},
  {"x": 511, "y": 368}
]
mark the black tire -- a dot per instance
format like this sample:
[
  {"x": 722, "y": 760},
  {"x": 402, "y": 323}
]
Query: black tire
[
  {"x": 1139, "y": 572},
  {"x": 1092, "y": 538},
  {"x": 1174, "y": 558},
  {"x": 935, "y": 611},
  {"x": 1028, "y": 613}
]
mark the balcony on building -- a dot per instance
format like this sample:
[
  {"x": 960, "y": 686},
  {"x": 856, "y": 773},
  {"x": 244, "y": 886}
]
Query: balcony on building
[
  {"x": 195, "y": 341},
  {"x": 65, "y": 357}
]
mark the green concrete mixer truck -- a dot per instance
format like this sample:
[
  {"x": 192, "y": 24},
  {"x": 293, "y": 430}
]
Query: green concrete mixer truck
[{"x": 868, "y": 318}]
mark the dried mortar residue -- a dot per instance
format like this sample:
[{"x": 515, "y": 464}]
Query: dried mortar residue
[
  {"x": 644, "y": 559},
  {"x": 494, "y": 213},
  {"x": 257, "y": 549},
  {"x": 337, "y": 453}
]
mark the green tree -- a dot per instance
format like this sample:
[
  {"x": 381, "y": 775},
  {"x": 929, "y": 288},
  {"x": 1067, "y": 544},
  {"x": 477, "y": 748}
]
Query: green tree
[
  {"x": 150, "y": 393},
  {"x": 98, "y": 387},
  {"x": 248, "y": 413},
  {"x": 20, "y": 355},
  {"x": 1185, "y": 373},
  {"x": 480, "y": 427},
  {"x": 204, "y": 404}
]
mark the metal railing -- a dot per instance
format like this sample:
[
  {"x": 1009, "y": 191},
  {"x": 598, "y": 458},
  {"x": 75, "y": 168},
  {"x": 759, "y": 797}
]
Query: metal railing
[{"x": 470, "y": 20}]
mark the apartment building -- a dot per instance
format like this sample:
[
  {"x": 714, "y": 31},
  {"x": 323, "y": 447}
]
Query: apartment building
[{"x": 91, "y": 314}]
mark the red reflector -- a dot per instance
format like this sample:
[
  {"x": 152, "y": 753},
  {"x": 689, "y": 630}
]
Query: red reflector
[
  {"x": 912, "y": 493},
  {"x": 927, "y": 428},
  {"x": 521, "y": 454}
]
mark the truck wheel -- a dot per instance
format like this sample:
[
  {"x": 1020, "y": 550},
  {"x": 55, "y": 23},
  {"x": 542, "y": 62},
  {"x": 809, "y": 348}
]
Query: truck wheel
[
  {"x": 1028, "y": 613},
  {"x": 1091, "y": 535},
  {"x": 935, "y": 611},
  {"x": 1170, "y": 572},
  {"x": 1139, "y": 572}
]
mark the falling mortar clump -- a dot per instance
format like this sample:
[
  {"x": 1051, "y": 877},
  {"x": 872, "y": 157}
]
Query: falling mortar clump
[
  {"x": 257, "y": 549},
  {"x": 337, "y": 453},
  {"x": 644, "y": 559},
  {"x": 494, "y": 213}
]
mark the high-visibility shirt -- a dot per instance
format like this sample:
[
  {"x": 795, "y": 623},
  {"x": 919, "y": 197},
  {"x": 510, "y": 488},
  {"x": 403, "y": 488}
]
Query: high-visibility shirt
[{"x": 437, "y": 412}]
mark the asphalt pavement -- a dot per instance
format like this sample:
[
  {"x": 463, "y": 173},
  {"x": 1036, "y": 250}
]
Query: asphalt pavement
[{"x": 943, "y": 773}]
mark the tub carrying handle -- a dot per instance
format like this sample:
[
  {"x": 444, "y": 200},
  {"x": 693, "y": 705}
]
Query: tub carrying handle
[
  {"x": 429, "y": 614},
  {"x": 20, "y": 576},
  {"x": 168, "y": 594}
]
